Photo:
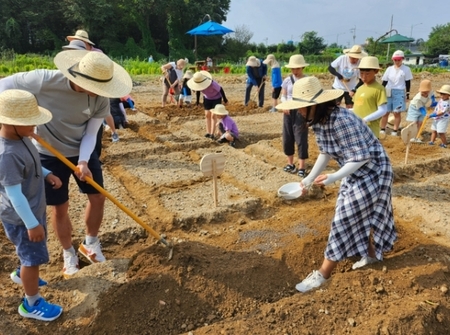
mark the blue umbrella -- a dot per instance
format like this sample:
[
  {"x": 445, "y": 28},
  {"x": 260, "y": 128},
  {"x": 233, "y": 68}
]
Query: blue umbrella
[
  {"x": 206, "y": 29},
  {"x": 210, "y": 28}
]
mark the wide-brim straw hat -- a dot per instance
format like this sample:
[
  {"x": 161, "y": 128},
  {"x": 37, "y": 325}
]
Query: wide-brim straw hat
[
  {"x": 75, "y": 45},
  {"x": 219, "y": 110},
  {"x": 425, "y": 86},
  {"x": 369, "y": 62},
  {"x": 253, "y": 62},
  {"x": 444, "y": 89},
  {"x": 81, "y": 35},
  {"x": 20, "y": 108},
  {"x": 188, "y": 74},
  {"x": 355, "y": 51},
  {"x": 269, "y": 59},
  {"x": 94, "y": 72},
  {"x": 200, "y": 80},
  {"x": 308, "y": 91},
  {"x": 296, "y": 62}
]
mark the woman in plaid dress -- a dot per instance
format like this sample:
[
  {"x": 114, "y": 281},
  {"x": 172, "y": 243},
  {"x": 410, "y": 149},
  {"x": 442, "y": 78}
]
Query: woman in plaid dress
[{"x": 363, "y": 224}]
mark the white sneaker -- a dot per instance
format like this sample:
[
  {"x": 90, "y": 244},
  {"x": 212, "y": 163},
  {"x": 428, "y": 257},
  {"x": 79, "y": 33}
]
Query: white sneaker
[
  {"x": 93, "y": 252},
  {"x": 114, "y": 137},
  {"x": 314, "y": 279},
  {"x": 382, "y": 135},
  {"x": 366, "y": 260},
  {"x": 70, "y": 264},
  {"x": 393, "y": 133}
]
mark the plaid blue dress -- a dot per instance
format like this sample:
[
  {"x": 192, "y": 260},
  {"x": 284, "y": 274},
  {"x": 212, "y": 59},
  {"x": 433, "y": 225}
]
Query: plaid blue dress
[{"x": 364, "y": 201}]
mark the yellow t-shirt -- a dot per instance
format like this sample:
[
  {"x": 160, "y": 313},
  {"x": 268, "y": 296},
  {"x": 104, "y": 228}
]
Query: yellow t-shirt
[{"x": 366, "y": 101}]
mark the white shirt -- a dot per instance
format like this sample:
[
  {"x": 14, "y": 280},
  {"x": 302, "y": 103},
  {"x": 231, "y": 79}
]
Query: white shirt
[
  {"x": 397, "y": 77},
  {"x": 348, "y": 70}
]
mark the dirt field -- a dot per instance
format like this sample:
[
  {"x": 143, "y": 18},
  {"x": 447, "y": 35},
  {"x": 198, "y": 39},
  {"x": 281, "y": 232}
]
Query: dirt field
[{"x": 235, "y": 266}]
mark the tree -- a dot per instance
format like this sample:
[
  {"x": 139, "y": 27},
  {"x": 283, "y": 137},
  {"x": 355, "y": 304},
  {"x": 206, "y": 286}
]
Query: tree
[
  {"x": 238, "y": 42},
  {"x": 311, "y": 44},
  {"x": 439, "y": 40}
]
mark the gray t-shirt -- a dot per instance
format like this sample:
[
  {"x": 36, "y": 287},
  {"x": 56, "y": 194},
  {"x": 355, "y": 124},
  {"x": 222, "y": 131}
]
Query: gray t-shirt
[
  {"x": 17, "y": 166},
  {"x": 71, "y": 110}
]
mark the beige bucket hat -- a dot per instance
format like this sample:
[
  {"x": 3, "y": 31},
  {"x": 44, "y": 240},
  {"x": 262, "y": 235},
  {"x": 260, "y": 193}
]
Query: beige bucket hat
[
  {"x": 253, "y": 62},
  {"x": 219, "y": 110},
  {"x": 296, "y": 62},
  {"x": 425, "y": 86},
  {"x": 200, "y": 80},
  {"x": 20, "y": 108},
  {"x": 444, "y": 89},
  {"x": 94, "y": 72},
  {"x": 81, "y": 35},
  {"x": 355, "y": 51},
  {"x": 188, "y": 74},
  {"x": 269, "y": 59},
  {"x": 369, "y": 62},
  {"x": 75, "y": 45},
  {"x": 308, "y": 91}
]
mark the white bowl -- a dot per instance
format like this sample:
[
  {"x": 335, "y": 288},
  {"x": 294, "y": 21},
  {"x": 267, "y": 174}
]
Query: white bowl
[{"x": 290, "y": 191}]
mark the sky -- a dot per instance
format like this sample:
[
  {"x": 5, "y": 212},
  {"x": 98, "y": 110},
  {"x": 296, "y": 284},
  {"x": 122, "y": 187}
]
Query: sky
[{"x": 345, "y": 22}]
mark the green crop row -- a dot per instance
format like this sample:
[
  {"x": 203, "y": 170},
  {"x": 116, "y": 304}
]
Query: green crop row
[{"x": 13, "y": 63}]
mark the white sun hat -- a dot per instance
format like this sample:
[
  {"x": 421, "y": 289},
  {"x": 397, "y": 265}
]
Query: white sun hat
[
  {"x": 94, "y": 72},
  {"x": 200, "y": 80},
  {"x": 219, "y": 110},
  {"x": 355, "y": 51},
  {"x": 296, "y": 62}
]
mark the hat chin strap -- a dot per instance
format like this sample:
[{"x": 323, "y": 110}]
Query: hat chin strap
[
  {"x": 201, "y": 81},
  {"x": 75, "y": 73},
  {"x": 310, "y": 101}
]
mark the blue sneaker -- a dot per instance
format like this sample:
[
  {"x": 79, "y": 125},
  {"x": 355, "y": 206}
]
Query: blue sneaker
[
  {"x": 15, "y": 277},
  {"x": 42, "y": 310}
]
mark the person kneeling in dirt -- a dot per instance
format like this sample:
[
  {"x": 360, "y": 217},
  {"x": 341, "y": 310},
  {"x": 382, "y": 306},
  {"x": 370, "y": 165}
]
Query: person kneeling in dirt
[
  {"x": 227, "y": 128},
  {"x": 186, "y": 94},
  {"x": 213, "y": 94},
  {"x": 363, "y": 223},
  {"x": 118, "y": 113}
]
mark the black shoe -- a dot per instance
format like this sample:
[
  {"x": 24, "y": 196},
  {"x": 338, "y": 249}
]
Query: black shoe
[
  {"x": 233, "y": 144},
  {"x": 222, "y": 140},
  {"x": 208, "y": 135}
]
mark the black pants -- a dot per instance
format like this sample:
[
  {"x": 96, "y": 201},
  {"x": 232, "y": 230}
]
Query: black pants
[{"x": 295, "y": 131}]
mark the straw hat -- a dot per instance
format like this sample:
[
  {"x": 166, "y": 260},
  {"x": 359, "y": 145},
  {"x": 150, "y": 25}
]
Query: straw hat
[
  {"x": 269, "y": 59},
  {"x": 200, "y": 80},
  {"x": 398, "y": 55},
  {"x": 355, "y": 52},
  {"x": 219, "y": 110},
  {"x": 188, "y": 74},
  {"x": 94, "y": 72},
  {"x": 444, "y": 89},
  {"x": 296, "y": 62},
  {"x": 75, "y": 45},
  {"x": 308, "y": 91},
  {"x": 81, "y": 35},
  {"x": 369, "y": 62},
  {"x": 425, "y": 86},
  {"x": 20, "y": 108},
  {"x": 253, "y": 62}
]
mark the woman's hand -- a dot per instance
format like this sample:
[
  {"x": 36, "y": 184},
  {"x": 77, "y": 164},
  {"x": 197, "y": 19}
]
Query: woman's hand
[{"x": 320, "y": 179}]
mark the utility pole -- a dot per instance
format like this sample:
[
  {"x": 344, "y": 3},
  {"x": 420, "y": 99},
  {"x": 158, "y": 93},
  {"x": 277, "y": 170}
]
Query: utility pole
[
  {"x": 353, "y": 31},
  {"x": 389, "y": 44}
]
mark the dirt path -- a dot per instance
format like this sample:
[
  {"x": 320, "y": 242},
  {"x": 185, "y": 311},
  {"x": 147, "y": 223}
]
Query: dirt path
[{"x": 235, "y": 265}]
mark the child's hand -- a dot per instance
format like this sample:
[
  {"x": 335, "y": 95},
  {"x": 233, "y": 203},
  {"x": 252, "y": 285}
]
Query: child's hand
[
  {"x": 53, "y": 180},
  {"x": 37, "y": 234}
]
